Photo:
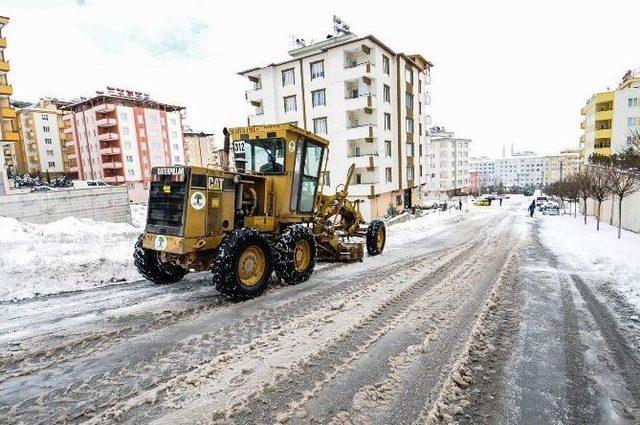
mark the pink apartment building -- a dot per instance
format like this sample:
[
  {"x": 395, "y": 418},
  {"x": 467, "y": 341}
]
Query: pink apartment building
[{"x": 119, "y": 135}]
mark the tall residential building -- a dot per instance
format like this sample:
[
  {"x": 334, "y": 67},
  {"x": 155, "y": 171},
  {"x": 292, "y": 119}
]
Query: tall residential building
[
  {"x": 9, "y": 136},
  {"x": 120, "y": 134},
  {"x": 48, "y": 147},
  {"x": 611, "y": 117},
  {"x": 199, "y": 148},
  {"x": 368, "y": 100},
  {"x": 447, "y": 162},
  {"x": 562, "y": 165}
]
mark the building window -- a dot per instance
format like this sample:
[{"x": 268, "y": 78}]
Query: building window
[
  {"x": 420, "y": 128},
  {"x": 387, "y": 121},
  {"x": 420, "y": 108},
  {"x": 408, "y": 98},
  {"x": 387, "y": 148},
  {"x": 318, "y": 98},
  {"x": 386, "y": 93},
  {"x": 317, "y": 70},
  {"x": 140, "y": 119},
  {"x": 320, "y": 125},
  {"x": 387, "y": 174},
  {"x": 45, "y": 129},
  {"x": 290, "y": 103},
  {"x": 129, "y": 158},
  {"x": 409, "y": 172},
  {"x": 49, "y": 153},
  {"x": 409, "y": 125},
  {"x": 141, "y": 132},
  {"x": 358, "y": 178},
  {"x": 408, "y": 75},
  {"x": 125, "y": 131},
  {"x": 45, "y": 117},
  {"x": 51, "y": 164},
  {"x": 174, "y": 134},
  {"x": 631, "y": 121},
  {"x": 175, "y": 147},
  {"x": 47, "y": 141},
  {"x": 123, "y": 115},
  {"x": 288, "y": 77},
  {"x": 385, "y": 65},
  {"x": 409, "y": 149},
  {"x": 633, "y": 101},
  {"x": 398, "y": 200}
]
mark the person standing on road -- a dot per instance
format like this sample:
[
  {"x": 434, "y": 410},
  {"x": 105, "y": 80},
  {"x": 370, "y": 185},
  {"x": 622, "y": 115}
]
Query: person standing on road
[{"x": 532, "y": 208}]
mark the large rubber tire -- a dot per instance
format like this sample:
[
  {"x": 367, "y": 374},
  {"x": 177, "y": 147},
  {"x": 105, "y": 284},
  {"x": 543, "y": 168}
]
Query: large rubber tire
[
  {"x": 296, "y": 240},
  {"x": 376, "y": 237},
  {"x": 149, "y": 266},
  {"x": 226, "y": 273}
]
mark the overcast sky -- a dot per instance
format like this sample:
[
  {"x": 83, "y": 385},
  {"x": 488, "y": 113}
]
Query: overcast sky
[{"x": 505, "y": 71}]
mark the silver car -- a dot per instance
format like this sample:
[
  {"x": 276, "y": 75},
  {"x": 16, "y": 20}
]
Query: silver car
[{"x": 551, "y": 208}]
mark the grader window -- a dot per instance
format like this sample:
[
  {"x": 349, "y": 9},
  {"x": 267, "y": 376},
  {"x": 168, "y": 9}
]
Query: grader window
[
  {"x": 305, "y": 183},
  {"x": 265, "y": 155}
]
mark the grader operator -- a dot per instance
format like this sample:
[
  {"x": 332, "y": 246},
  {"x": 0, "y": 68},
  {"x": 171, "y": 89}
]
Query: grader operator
[{"x": 266, "y": 215}]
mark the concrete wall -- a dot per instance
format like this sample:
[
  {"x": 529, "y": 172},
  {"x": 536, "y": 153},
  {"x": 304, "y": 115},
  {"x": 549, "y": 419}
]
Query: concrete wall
[
  {"x": 630, "y": 211},
  {"x": 104, "y": 204}
]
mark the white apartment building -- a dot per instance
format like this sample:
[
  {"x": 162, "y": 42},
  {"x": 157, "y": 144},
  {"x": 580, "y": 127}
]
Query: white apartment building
[
  {"x": 447, "y": 162},
  {"x": 368, "y": 100},
  {"x": 120, "y": 134},
  {"x": 44, "y": 141},
  {"x": 486, "y": 168}
]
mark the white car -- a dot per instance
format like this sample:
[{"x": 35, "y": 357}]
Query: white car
[
  {"x": 81, "y": 184},
  {"x": 551, "y": 208}
]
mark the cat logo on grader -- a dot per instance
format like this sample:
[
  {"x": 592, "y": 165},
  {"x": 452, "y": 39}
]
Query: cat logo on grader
[{"x": 267, "y": 215}]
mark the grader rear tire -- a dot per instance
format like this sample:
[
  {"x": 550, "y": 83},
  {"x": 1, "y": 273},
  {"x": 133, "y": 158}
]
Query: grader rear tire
[
  {"x": 150, "y": 266},
  {"x": 243, "y": 264},
  {"x": 376, "y": 237},
  {"x": 295, "y": 254}
]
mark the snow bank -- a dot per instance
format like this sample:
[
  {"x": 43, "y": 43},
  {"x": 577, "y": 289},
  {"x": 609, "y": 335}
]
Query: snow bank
[
  {"x": 65, "y": 255},
  {"x": 600, "y": 253},
  {"x": 421, "y": 227}
]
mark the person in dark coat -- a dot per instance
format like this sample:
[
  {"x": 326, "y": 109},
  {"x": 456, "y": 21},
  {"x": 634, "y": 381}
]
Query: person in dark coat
[
  {"x": 460, "y": 204},
  {"x": 532, "y": 208}
]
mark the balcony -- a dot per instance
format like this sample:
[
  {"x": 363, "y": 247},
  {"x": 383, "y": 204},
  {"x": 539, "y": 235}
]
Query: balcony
[
  {"x": 361, "y": 102},
  {"x": 603, "y": 151},
  {"x": 254, "y": 96},
  {"x": 104, "y": 137},
  {"x": 604, "y": 133},
  {"x": 362, "y": 70},
  {"x": 360, "y": 131},
  {"x": 583, "y": 124},
  {"x": 583, "y": 110},
  {"x": 364, "y": 188},
  {"x": 105, "y": 108},
  {"x": 427, "y": 99},
  {"x": 68, "y": 130},
  {"x": 73, "y": 169},
  {"x": 72, "y": 156},
  {"x": 427, "y": 119},
  {"x": 604, "y": 115},
  {"x": 110, "y": 151},
  {"x": 368, "y": 161},
  {"x": 8, "y": 113},
  {"x": 114, "y": 179},
  {"x": 70, "y": 144},
  {"x": 112, "y": 165},
  {"x": 106, "y": 122},
  {"x": 4, "y": 66},
  {"x": 3, "y": 42},
  {"x": 11, "y": 136},
  {"x": 6, "y": 89}
]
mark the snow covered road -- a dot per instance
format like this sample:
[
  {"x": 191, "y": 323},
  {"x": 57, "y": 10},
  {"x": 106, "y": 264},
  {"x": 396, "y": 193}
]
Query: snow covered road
[{"x": 476, "y": 322}]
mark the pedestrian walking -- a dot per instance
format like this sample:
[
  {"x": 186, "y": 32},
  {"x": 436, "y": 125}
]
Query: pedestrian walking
[
  {"x": 500, "y": 201},
  {"x": 532, "y": 208},
  {"x": 460, "y": 204}
]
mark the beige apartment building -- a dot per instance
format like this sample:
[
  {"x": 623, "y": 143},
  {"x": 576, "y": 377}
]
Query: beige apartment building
[
  {"x": 369, "y": 100},
  {"x": 199, "y": 148},
  {"x": 46, "y": 140}
]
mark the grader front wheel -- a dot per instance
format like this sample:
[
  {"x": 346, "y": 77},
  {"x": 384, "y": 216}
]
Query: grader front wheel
[
  {"x": 376, "y": 237},
  {"x": 150, "y": 266},
  {"x": 243, "y": 264},
  {"x": 295, "y": 254}
]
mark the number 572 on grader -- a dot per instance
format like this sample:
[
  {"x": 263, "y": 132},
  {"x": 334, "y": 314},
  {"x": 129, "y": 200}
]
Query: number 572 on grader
[{"x": 266, "y": 215}]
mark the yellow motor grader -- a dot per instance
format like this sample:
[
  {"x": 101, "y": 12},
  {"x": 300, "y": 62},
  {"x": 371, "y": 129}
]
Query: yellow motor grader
[{"x": 266, "y": 214}]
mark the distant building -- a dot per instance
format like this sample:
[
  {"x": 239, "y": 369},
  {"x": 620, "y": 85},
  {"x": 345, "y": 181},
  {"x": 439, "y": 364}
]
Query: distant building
[
  {"x": 447, "y": 162},
  {"x": 370, "y": 101},
  {"x": 611, "y": 117},
  {"x": 199, "y": 148},
  {"x": 562, "y": 165},
  {"x": 12, "y": 154},
  {"x": 48, "y": 147},
  {"x": 120, "y": 134},
  {"x": 474, "y": 183}
]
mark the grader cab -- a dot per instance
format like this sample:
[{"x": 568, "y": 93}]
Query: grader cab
[{"x": 266, "y": 215}]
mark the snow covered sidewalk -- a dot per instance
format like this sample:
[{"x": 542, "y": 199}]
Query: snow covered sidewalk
[
  {"x": 600, "y": 253},
  {"x": 66, "y": 255}
]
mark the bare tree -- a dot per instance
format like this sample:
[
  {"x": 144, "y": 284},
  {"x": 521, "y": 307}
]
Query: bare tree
[
  {"x": 598, "y": 187},
  {"x": 622, "y": 183},
  {"x": 572, "y": 192},
  {"x": 583, "y": 184}
]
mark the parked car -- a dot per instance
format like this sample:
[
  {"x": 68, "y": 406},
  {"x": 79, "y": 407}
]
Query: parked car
[
  {"x": 81, "y": 184},
  {"x": 551, "y": 208},
  {"x": 482, "y": 202},
  {"x": 42, "y": 189},
  {"x": 540, "y": 201}
]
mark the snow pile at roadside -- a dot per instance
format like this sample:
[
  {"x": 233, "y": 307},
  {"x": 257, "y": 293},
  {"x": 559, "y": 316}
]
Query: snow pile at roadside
[
  {"x": 421, "y": 227},
  {"x": 65, "y": 255},
  {"x": 602, "y": 253}
]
